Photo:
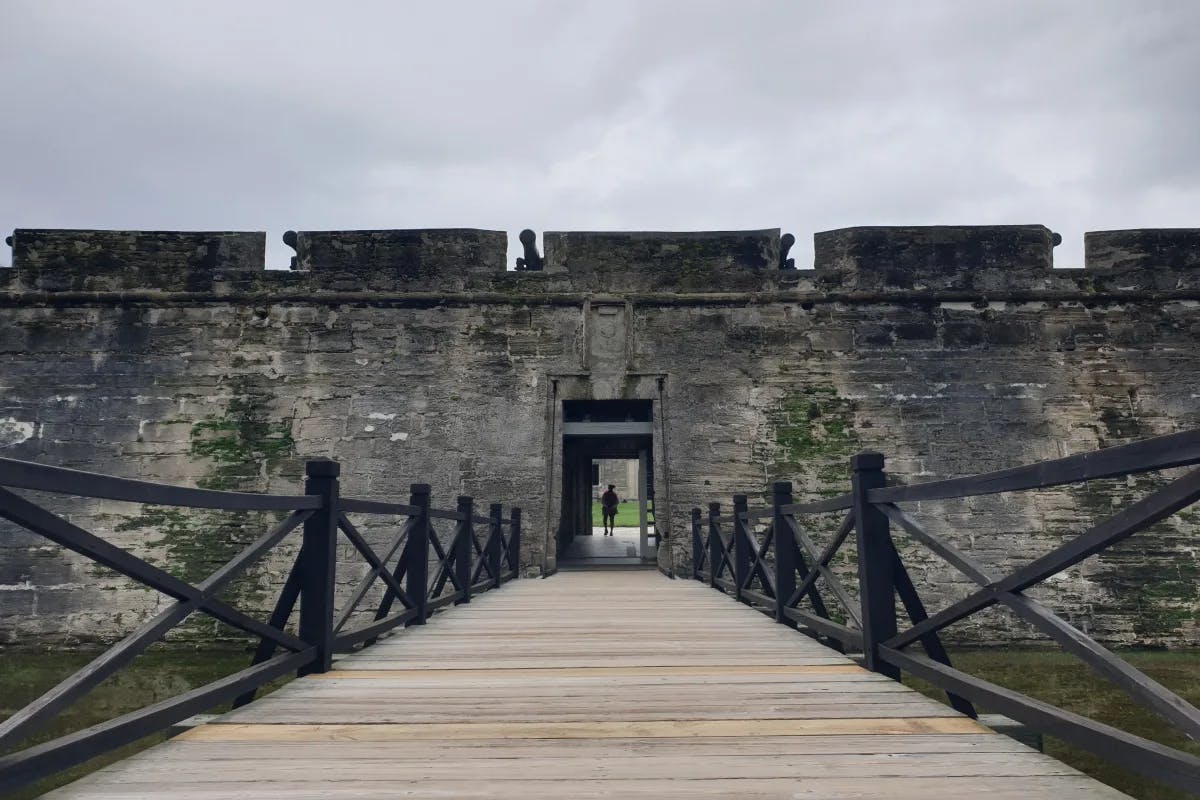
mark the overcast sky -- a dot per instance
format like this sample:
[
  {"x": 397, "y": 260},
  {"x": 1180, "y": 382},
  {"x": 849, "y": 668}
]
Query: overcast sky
[{"x": 557, "y": 115}]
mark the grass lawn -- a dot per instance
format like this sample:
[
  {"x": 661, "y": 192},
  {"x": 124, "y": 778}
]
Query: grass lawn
[
  {"x": 1062, "y": 680},
  {"x": 627, "y": 515}
]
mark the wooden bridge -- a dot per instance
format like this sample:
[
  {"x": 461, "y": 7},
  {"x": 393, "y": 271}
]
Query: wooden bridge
[
  {"x": 592, "y": 684},
  {"x": 606, "y": 683}
]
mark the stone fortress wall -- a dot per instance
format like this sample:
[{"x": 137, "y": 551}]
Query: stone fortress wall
[{"x": 419, "y": 356}]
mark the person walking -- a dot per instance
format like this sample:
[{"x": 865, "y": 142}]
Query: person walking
[{"x": 608, "y": 508}]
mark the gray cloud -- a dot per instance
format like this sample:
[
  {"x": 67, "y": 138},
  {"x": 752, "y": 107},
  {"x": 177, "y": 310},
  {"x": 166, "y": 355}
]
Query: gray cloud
[{"x": 619, "y": 114}]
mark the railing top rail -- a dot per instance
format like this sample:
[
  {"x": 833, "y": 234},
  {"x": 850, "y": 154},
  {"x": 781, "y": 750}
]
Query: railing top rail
[
  {"x": 60, "y": 480},
  {"x": 1161, "y": 452},
  {"x": 358, "y": 506},
  {"x": 479, "y": 519},
  {"x": 454, "y": 515},
  {"x": 839, "y": 503}
]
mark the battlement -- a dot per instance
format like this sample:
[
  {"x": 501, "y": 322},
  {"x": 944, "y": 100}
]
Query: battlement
[
  {"x": 937, "y": 256},
  {"x": 91, "y": 260},
  {"x": 396, "y": 259},
  {"x": 1149, "y": 258},
  {"x": 988, "y": 259},
  {"x": 664, "y": 261}
]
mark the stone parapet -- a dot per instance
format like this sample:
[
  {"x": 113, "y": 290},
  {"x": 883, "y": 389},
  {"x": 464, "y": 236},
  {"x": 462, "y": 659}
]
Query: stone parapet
[
  {"x": 1145, "y": 258},
  {"x": 983, "y": 257},
  {"x": 674, "y": 261},
  {"x": 90, "y": 260},
  {"x": 993, "y": 261},
  {"x": 429, "y": 260}
]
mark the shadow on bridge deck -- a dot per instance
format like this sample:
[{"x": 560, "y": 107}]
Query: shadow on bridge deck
[
  {"x": 621, "y": 550},
  {"x": 588, "y": 685}
]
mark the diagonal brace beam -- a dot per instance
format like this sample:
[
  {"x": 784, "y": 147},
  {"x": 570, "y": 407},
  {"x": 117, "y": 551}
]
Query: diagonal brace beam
[
  {"x": 37, "y": 713},
  {"x": 821, "y": 567},
  {"x": 378, "y": 569},
  {"x": 1171, "y": 498}
]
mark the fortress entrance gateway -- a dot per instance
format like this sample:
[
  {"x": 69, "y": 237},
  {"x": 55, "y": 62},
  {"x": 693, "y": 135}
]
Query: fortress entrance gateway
[{"x": 595, "y": 431}]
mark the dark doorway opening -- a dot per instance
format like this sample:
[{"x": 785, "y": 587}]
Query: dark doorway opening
[{"x": 595, "y": 432}]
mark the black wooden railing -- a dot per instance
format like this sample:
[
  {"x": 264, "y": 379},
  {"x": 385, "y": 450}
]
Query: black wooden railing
[
  {"x": 778, "y": 569},
  {"x": 462, "y": 566}
]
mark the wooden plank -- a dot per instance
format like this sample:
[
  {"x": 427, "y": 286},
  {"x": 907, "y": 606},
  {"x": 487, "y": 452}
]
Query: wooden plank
[
  {"x": 283, "y": 767},
  {"x": 601, "y": 749},
  {"x": 668, "y": 787},
  {"x": 539, "y": 673},
  {"x": 597, "y": 729}
]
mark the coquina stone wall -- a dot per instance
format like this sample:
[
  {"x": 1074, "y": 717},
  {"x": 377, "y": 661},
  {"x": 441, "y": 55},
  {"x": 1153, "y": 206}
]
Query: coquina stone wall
[{"x": 416, "y": 356}]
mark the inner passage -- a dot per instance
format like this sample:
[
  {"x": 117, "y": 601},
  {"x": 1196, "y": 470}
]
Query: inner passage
[{"x": 620, "y": 539}]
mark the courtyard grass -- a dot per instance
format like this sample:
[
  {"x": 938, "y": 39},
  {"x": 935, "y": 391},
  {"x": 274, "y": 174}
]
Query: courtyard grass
[{"x": 627, "y": 515}]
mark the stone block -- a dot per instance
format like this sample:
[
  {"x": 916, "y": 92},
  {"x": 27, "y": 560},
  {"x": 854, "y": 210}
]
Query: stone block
[
  {"x": 938, "y": 256},
  {"x": 1145, "y": 259},
  {"x": 65, "y": 260},
  {"x": 1171, "y": 248},
  {"x": 654, "y": 260},
  {"x": 427, "y": 260}
]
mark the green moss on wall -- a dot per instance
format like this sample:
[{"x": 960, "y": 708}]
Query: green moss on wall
[
  {"x": 814, "y": 438},
  {"x": 1150, "y": 576},
  {"x": 243, "y": 445}
]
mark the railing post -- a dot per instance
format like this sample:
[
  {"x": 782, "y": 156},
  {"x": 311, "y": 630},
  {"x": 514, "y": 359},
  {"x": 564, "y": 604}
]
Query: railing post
[
  {"x": 514, "y": 542},
  {"x": 318, "y": 563},
  {"x": 463, "y": 546},
  {"x": 785, "y": 550},
  {"x": 876, "y": 578},
  {"x": 741, "y": 544},
  {"x": 697, "y": 544},
  {"x": 492, "y": 554},
  {"x": 416, "y": 555},
  {"x": 716, "y": 550}
]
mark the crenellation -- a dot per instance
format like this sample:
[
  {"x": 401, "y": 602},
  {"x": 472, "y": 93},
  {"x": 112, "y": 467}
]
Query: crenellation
[
  {"x": 665, "y": 261},
  {"x": 1167, "y": 248},
  {"x": 989, "y": 260},
  {"x": 428, "y": 260},
  {"x": 985, "y": 257},
  {"x": 1144, "y": 259},
  {"x": 96, "y": 260}
]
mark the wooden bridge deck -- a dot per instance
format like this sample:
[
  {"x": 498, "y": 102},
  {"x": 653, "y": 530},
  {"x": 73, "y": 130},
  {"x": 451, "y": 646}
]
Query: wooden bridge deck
[{"x": 592, "y": 684}]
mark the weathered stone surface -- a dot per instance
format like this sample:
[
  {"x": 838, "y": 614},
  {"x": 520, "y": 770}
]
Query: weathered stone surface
[
  {"x": 60, "y": 260},
  {"x": 937, "y": 256},
  {"x": 235, "y": 385},
  {"x": 1148, "y": 259},
  {"x": 1147, "y": 247},
  {"x": 433, "y": 260},
  {"x": 690, "y": 261}
]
